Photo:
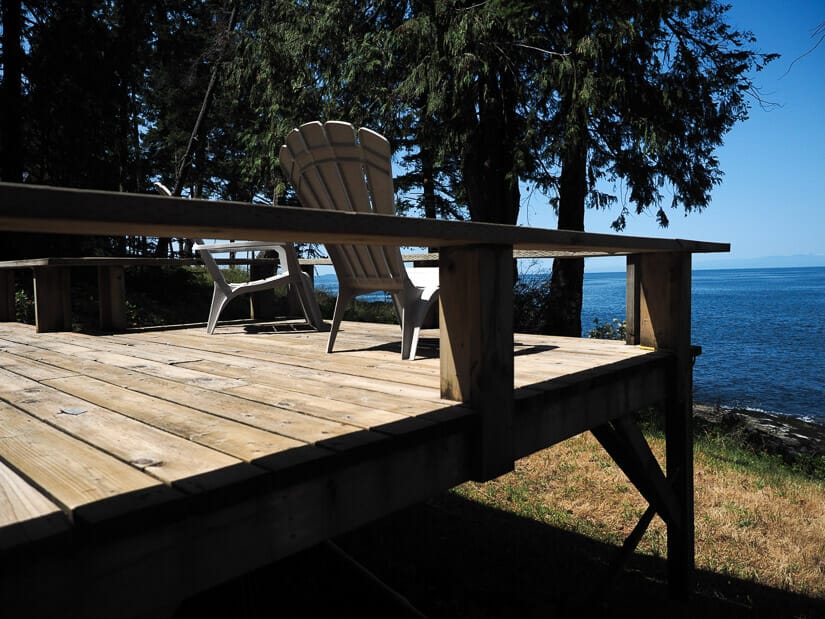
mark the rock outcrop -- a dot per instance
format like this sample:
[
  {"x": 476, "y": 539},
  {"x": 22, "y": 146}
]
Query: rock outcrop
[{"x": 776, "y": 434}]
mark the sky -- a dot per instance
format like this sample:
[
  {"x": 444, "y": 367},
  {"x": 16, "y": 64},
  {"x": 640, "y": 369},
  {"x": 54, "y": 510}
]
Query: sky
[{"x": 770, "y": 205}]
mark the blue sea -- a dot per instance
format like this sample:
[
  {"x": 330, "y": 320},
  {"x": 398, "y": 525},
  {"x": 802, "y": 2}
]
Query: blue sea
[{"x": 762, "y": 333}]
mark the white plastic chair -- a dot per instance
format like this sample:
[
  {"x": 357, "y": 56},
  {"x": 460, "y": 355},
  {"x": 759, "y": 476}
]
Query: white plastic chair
[
  {"x": 223, "y": 291},
  {"x": 335, "y": 167}
]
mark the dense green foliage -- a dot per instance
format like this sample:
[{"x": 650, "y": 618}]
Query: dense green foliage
[{"x": 582, "y": 101}]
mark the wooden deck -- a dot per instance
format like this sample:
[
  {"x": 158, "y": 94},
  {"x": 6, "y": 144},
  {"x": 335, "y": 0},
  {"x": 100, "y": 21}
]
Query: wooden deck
[
  {"x": 140, "y": 468},
  {"x": 176, "y": 460}
]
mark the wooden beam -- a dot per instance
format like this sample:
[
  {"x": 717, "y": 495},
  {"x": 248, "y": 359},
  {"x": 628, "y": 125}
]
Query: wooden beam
[
  {"x": 663, "y": 304},
  {"x": 123, "y": 261},
  {"x": 550, "y": 412},
  {"x": 74, "y": 211},
  {"x": 476, "y": 318},
  {"x": 625, "y": 443},
  {"x": 52, "y": 299}
]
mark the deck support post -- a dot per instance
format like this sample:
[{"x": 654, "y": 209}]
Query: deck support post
[
  {"x": 7, "y": 310},
  {"x": 52, "y": 299},
  {"x": 476, "y": 319},
  {"x": 658, "y": 316},
  {"x": 111, "y": 286}
]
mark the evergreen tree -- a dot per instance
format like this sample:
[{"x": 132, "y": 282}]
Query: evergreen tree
[
  {"x": 645, "y": 93},
  {"x": 11, "y": 92},
  {"x": 570, "y": 94}
]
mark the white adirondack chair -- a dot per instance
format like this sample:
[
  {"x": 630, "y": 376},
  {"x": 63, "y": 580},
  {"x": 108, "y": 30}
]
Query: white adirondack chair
[
  {"x": 223, "y": 291},
  {"x": 333, "y": 166}
]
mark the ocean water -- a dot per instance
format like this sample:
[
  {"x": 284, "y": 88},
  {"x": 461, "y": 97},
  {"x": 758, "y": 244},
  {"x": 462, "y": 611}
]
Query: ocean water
[{"x": 762, "y": 333}]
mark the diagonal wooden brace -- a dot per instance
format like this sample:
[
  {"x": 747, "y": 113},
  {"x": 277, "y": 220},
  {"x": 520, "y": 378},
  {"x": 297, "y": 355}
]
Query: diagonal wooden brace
[{"x": 626, "y": 444}]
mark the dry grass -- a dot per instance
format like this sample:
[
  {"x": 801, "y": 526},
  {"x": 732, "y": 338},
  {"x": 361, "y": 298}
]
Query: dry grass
[{"x": 766, "y": 526}]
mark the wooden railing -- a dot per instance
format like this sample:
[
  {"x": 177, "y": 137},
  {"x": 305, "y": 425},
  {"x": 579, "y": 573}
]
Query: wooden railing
[{"x": 475, "y": 265}]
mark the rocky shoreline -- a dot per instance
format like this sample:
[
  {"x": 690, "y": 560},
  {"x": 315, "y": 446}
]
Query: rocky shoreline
[{"x": 775, "y": 434}]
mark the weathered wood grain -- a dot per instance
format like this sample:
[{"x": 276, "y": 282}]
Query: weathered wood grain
[
  {"x": 26, "y": 515},
  {"x": 83, "y": 480},
  {"x": 288, "y": 423},
  {"x": 477, "y": 348},
  {"x": 230, "y": 437},
  {"x": 171, "y": 459}
]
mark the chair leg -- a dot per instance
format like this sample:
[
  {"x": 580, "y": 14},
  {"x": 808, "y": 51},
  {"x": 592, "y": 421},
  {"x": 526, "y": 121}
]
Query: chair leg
[
  {"x": 411, "y": 320},
  {"x": 344, "y": 297},
  {"x": 409, "y": 337},
  {"x": 219, "y": 301},
  {"x": 414, "y": 313},
  {"x": 309, "y": 303}
]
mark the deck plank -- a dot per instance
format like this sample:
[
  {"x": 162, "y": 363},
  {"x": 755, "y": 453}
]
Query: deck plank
[
  {"x": 236, "y": 439},
  {"x": 288, "y": 423},
  {"x": 284, "y": 369},
  {"x": 26, "y": 515},
  {"x": 84, "y": 481},
  {"x": 336, "y": 410},
  {"x": 85, "y": 347},
  {"x": 330, "y": 385},
  {"x": 171, "y": 459},
  {"x": 292, "y": 351}
]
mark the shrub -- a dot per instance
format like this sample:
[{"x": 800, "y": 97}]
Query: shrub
[
  {"x": 24, "y": 307},
  {"x": 613, "y": 330}
]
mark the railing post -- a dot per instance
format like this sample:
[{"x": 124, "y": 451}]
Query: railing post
[
  {"x": 7, "y": 309},
  {"x": 658, "y": 315},
  {"x": 52, "y": 299},
  {"x": 476, "y": 318},
  {"x": 632, "y": 300},
  {"x": 111, "y": 287}
]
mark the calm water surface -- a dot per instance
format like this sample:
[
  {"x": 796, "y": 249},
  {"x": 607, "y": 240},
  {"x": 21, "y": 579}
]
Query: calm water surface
[{"x": 762, "y": 333}]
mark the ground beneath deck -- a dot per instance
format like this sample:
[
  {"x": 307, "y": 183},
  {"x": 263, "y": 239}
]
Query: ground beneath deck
[{"x": 451, "y": 558}]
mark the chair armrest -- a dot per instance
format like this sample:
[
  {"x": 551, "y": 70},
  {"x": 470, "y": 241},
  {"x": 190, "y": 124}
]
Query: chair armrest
[{"x": 237, "y": 246}]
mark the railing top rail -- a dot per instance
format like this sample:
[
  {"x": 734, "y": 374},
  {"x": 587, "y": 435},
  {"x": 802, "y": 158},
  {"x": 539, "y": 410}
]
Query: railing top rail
[{"x": 29, "y": 208}]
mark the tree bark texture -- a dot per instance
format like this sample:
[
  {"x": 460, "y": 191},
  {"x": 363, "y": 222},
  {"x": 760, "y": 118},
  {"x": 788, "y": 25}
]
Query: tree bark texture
[
  {"x": 564, "y": 307},
  {"x": 488, "y": 165}
]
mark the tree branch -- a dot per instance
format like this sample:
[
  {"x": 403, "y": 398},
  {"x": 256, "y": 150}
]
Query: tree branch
[{"x": 207, "y": 98}]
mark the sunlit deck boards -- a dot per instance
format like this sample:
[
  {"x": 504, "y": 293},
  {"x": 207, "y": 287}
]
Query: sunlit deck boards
[{"x": 181, "y": 459}]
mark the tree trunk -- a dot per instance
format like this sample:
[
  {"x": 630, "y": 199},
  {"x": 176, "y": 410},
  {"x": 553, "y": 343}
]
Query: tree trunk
[
  {"x": 428, "y": 183},
  {"x": 488, "y": 164},
  {"x": 564, "y": 306}
]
